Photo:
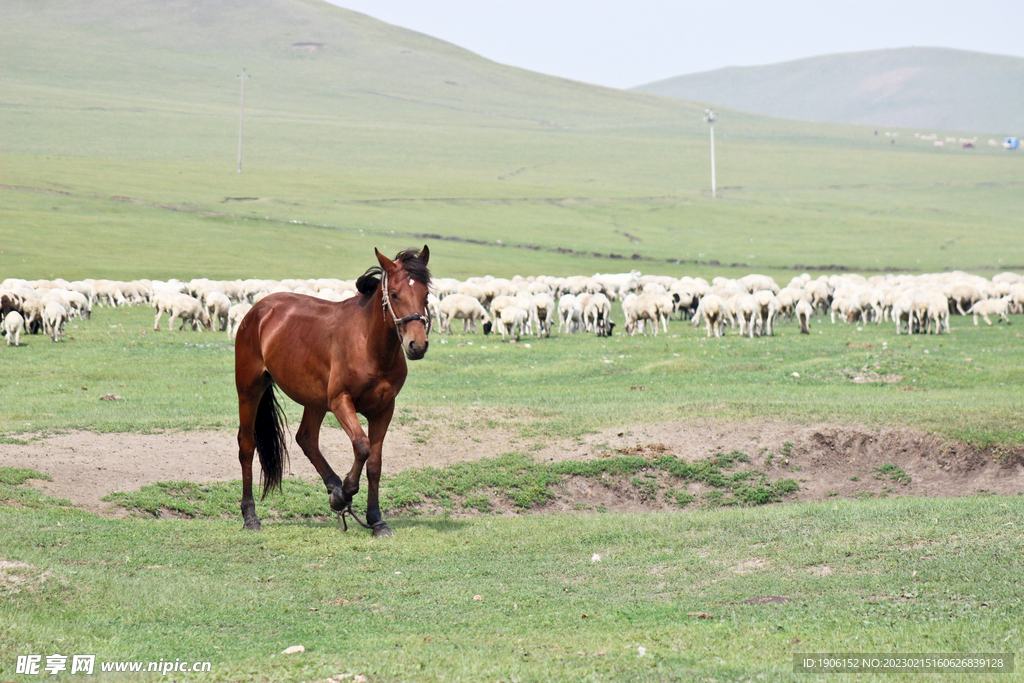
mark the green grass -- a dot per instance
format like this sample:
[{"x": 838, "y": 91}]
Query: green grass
[
  {"x": 513, "y": 479},
  {"x": 894, "y": 473},
  {"x": 894, "y": 575},
  {"x": 12, "y": 493},
  {"x": 118, "y": 160},
  {"x": 560, "y": 387},
  {"x": 122, "y": 163}
]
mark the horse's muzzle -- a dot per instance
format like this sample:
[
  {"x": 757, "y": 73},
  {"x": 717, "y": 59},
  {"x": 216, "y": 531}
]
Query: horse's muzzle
[{"x": 415, "y": 351}]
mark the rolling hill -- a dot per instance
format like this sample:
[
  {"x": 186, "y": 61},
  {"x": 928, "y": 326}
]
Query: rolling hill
[
  {"x": 118, "y": 158},
  {"x": 914, "y": 87}
]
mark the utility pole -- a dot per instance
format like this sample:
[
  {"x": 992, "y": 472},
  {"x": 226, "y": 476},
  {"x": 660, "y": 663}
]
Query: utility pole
[
  {"x": 241, "y": 111},
  {"x": 709, "y": 116}
]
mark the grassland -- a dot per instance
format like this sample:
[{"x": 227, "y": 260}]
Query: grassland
[
  {"x": 118, "y": 160},
  {"x": 121, "y": 161},
  {"x": 965, "y": 385},
  {"x": 896, "y": 575}
]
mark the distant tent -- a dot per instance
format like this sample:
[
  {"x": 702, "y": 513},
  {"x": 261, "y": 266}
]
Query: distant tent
[{"x": 1011, "y": 143}]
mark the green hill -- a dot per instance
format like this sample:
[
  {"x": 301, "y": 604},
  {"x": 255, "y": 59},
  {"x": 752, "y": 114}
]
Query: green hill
[
  {"x": 118, "y": 158},
  {"x": 914, "y": 87}
]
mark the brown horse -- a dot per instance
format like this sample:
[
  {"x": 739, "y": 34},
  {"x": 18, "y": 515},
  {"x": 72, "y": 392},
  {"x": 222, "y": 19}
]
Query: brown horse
[{"x": 341, "y": 357}]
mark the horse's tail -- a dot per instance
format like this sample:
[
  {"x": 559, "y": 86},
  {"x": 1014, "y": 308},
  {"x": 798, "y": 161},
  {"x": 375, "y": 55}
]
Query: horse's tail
[{"x": 271, "y": 443}]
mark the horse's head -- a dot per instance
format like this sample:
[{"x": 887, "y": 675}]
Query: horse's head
[{"x": 405, "y": 282}]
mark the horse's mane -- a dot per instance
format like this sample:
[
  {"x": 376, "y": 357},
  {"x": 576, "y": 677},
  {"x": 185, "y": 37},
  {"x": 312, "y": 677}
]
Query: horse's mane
[{"x": 411, "y": 263}]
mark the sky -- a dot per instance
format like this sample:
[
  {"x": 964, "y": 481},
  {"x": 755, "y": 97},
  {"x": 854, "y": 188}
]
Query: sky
[{"x": 625, "y": 43}]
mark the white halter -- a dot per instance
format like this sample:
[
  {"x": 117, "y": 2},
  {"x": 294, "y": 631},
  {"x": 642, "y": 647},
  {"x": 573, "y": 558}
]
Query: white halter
[{"x": 386, "y": 304}]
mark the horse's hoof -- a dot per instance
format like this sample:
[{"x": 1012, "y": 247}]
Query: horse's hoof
[
  {"x": 382, "y": 530},
  {"x": 252, "y": 525},
  {"x": 337, "y": 500}
]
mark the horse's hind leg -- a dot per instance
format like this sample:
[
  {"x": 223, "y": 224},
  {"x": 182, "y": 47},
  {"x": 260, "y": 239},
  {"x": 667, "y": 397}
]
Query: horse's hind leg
[
  {"x": 250, "y": 392},
  {"x": 247, "y": 408},
  {"x": 308, "y": 438}
]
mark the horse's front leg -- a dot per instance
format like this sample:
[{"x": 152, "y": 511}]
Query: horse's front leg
[
  {"x": 378, "y": 428},
  {"x": 308, "y": 438},
  {"x": 343, "y": 409}
]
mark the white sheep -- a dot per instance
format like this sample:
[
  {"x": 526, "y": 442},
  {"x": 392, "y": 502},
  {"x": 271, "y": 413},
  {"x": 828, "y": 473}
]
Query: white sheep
[
  {"x": 570, "y": 314},
  {"x": 804, "y": 311},
  {"x": 648, "y": 307},
  {"x": 712, "y": 309},
  {"x": 767, "y": 311},
  {"x": 747, "y": 310},
  {"x": 180, "y": 306},
  {"x": 14, "y": 325},
  {"x": 218, "y": 305},
  {"x": 55, "y": 317},
  {"x": 235, "y": 315},
  {"x": 597, "y": 314},
  {"x": 525, "y": 301},
  {"x": 546, "y": 310},
  {"x": 987, "y": 307},
  {"x": 462, "y": 307},
  {"x": 902, "y": 313},
  {"x": 513, "y": 321},
  {"x": 108, "y": 293}
]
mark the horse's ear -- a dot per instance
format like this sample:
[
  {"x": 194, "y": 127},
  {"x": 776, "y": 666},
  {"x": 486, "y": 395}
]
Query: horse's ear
[
  {"x": 425, "y": 254},
  {"x": 385, "y": 263}
]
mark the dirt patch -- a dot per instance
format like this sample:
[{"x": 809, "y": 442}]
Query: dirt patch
[{"x": 826, "y": 461}]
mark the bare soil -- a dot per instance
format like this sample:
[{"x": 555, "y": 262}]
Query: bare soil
[{"x": 827, "y": 461}]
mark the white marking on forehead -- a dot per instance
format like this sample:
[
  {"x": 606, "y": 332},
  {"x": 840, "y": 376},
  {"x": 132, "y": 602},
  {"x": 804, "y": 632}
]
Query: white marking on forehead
[{"x": 411, "y": 281}]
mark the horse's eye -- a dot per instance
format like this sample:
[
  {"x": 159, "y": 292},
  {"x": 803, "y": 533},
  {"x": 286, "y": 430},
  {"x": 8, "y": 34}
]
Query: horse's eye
[{"x": 394, "y": 296}]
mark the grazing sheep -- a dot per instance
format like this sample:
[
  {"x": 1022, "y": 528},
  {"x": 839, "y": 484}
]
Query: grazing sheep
[
  {"x": 330, "y": 295},
  {"x": 746, "y": 313},
  {"x": 55, "y": 317},
  {"x": 787, "y": 298},
  {"x": 804, "y": 311},
  {"x": 712, "y": 309},
  {"x": 767, "y": 311},
  {"x": 526, "y": 302},
  {"x": 108, "y": 293},
  {"x": 32, "y": 310},
  {"x": 684, "y": 301},
  {"x": 819, "y": 294},
  {"x": 462, "y": 307},
  {"x": 644, "y": 309},
  {"x": 235, "y": 315},
  {"x": 546, "y": 310},
  {"x": 570, "y": 314},
  {"x": 9, "y": 301},
  {"x": 14, "y": 325},
  {"x": 471, "y": 289},
  {"x": 597, "y": 313},
  {"x": 938, "y": 313},
  {"x": 987, "y": 307},
  {"x": 181, "y": 306},
  {"x": 962, "y": 295},
  {"x": 433, "y": 309},
  {"x": 845, "y": 308},
  {"x": 902, "y": 313},
  {"x": 513, "y": 321},
  {"x": 218, "y": 306},
  {"x": 616, "y": 285},
  {"x": 80, "y": 304}
]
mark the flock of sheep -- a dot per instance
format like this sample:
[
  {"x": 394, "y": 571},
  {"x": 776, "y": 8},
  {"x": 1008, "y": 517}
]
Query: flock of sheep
[{"x": 534, "y": 305}]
